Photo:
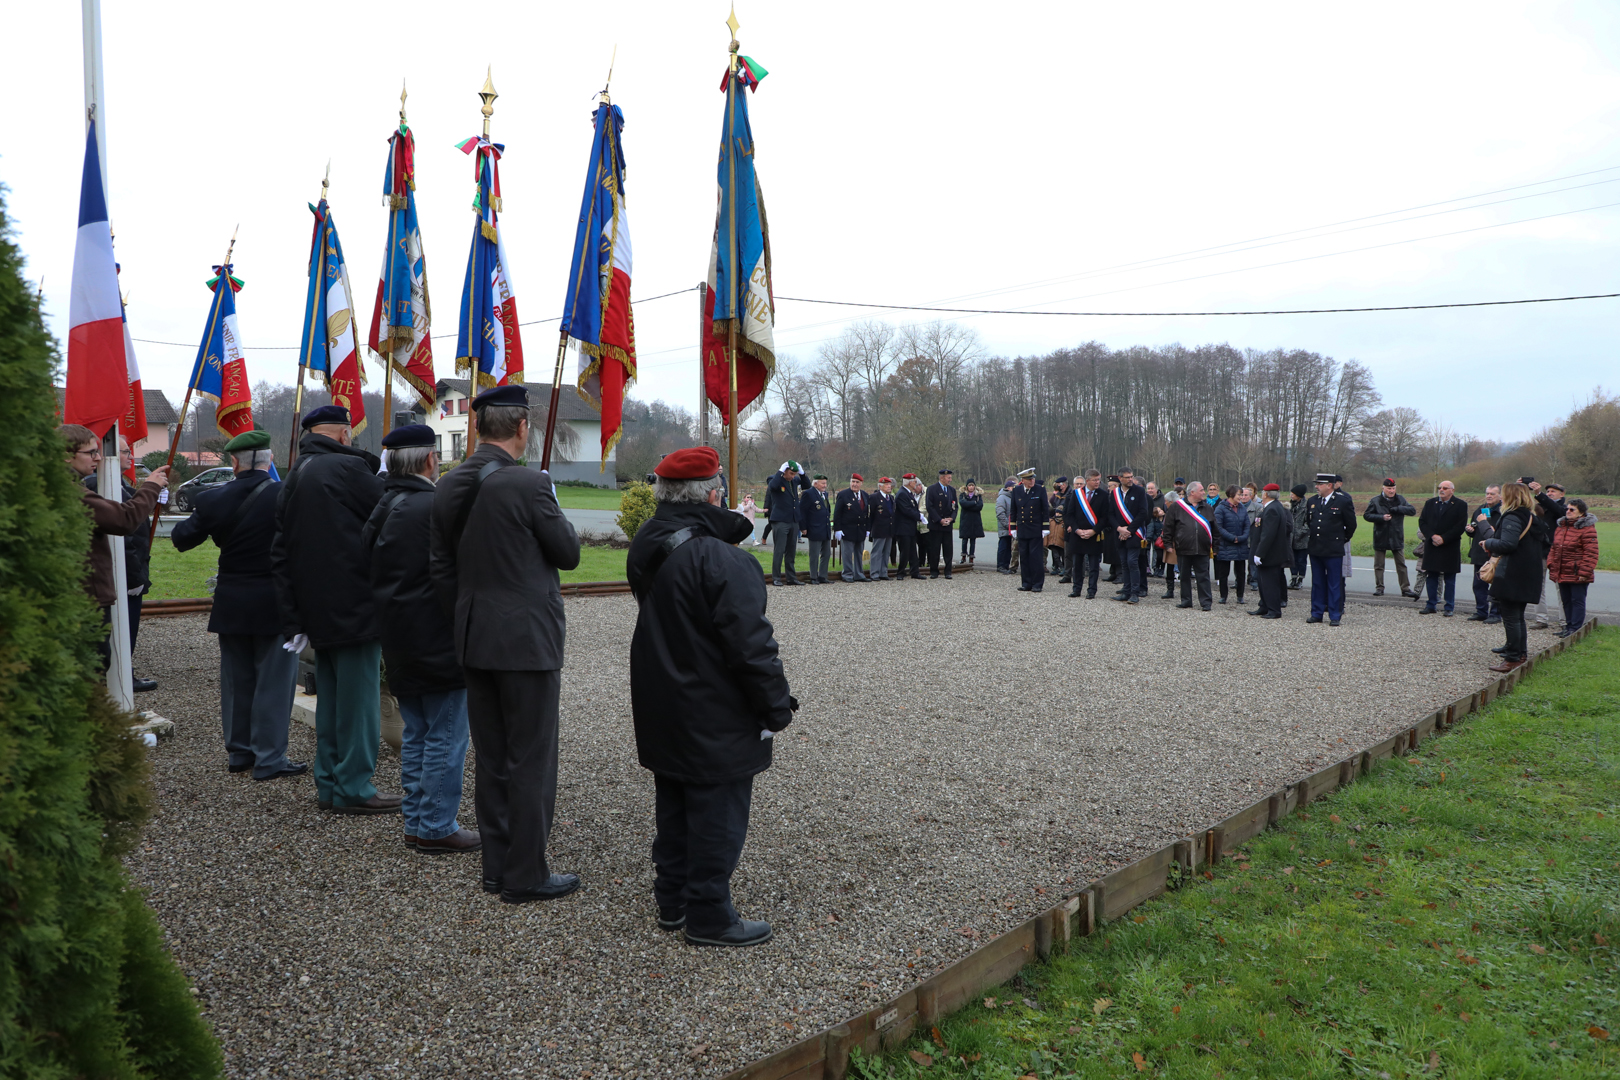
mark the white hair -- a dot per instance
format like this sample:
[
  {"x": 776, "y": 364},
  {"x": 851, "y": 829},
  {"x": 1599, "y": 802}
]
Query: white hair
[
  {"x": 408, "y": 460},
  {"x": 684, "y": 491},
  {"x": 250, "y": 460}
]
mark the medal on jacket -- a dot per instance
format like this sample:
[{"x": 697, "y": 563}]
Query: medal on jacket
[{"x": 1196, "y": 516}]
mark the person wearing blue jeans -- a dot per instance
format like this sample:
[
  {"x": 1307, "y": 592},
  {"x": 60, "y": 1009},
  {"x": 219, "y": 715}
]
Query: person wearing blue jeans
[{"x": 432, "y": 759}]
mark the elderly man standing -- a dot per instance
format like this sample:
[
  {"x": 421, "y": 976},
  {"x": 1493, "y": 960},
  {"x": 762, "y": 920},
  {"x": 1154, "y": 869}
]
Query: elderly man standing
[
  {"x": 882, "y": 528},
  {"x": 1332, "y": 521},
  {"x": 707, "y": 692},
  {"x": 1273, "y": 551},
  {"x": 1188, "y": 533},
  {"x": 418, "y": 647},
  {"x": 323, "y": 584},
  {"x": 499, "y": 539},
  {"x": 1085, "y": 513},
  {"x": 1028, "y": 517},
  {"x": 782, "y": 493},
  {"x": 941, "y": 504},
  {"x": 1386, "y": 511},
  {"x": 257, "y": 676},
  {"x": 815, "y": 520},
  {"x": 1479, "y": 530},
  {"x": 1442, "y": 523},
  {"x": 908, "y": 516},
  {"x": 852, "y": 514}
]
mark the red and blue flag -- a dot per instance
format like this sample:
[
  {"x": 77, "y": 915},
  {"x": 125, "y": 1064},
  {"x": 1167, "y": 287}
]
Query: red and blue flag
[
  {"x": 330, "y": 343},
  {"x": 402, "y": 316},
  {"x": 489, "y": 345},
  {"x": 220, "y": 372},
  {"x": 101, "y": 376}
]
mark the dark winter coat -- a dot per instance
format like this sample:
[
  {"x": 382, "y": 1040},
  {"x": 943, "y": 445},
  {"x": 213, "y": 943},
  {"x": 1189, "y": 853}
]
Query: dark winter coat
[
  {"x": 1074, "y": 518},
  {"x": 1574, "y": 555},
  {"x": 500, "y": 578},
  {"x": 941, "y": 502},
  {"x": 1521, "y": 540},
  {"x": 815, "y": 515},
  {"x": 322, "y": 573},
  {"x": 418, "y": 647},
  {"x": 1389, "y": 535},
  {"x": 705, "y": 676},
  {"x": 1302, "y": 523},
  {"x": 1483, "y": 531},
  {"x": 970, "y": 507},
  {"x": 782, "y": 497},
  {"x": 1274, "y": 536},
  {"x": 852, "y": 513},
  {"x": 882, "y": 526},
  {"x": 906, "y": 513},
  {"x": 1447, "y": 519},
  {"x": 1231, "y": 532},
  {"x": 1030, "y": 512},
  {"x": 1332, "y": 522},
  {"x": 245, "y": 600},
  {"x": 1184, "y": 535}
]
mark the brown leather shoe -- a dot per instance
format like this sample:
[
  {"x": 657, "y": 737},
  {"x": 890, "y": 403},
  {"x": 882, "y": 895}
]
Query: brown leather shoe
[
  {"x": 377, "y": 804},
  {"x": 460, "y": 840},
  {"x": 1505, "y": 666}
]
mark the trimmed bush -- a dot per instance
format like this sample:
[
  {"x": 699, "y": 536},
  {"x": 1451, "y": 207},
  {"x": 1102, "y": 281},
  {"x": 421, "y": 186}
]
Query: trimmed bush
[
  {"x": 635, "y": 506},
  {"x": 86, "y": 986}
]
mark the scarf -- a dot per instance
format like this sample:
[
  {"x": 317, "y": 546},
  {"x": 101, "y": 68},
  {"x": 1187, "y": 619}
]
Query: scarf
[{"x": 1083, "y": 497}]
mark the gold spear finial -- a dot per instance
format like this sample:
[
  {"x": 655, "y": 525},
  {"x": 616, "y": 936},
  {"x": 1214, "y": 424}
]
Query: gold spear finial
[
  {"x": 402, "y": 101},
  {"x": 229, "y": 250},
  {"x": 488, "y": 95},
  {"x": 731, "y": 21},
  {"x": 325, "y": 182},
  {"x": 612, "y": 60}
]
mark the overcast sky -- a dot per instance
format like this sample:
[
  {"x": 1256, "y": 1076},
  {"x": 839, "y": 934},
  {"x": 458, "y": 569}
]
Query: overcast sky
[{"x": 1005, "y": 156}]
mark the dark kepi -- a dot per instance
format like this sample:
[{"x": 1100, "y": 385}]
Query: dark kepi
[{"x": 325, "y": 414}]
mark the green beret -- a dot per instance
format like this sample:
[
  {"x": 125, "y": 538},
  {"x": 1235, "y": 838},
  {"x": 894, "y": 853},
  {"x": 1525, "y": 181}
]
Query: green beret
[{"x": 248, "y": 440}]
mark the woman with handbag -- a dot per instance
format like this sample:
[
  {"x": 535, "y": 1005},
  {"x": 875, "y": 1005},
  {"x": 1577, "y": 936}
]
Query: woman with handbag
[
  {"x": 1572, "y": 562},
  {"x": 1520, "y": 547}
]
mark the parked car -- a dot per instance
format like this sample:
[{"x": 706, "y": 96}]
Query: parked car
[{"x": 206, "y": 480}]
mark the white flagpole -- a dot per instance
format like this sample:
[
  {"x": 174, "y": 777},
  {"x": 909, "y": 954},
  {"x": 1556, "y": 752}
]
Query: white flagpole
[{"x": 120, "y": 678}]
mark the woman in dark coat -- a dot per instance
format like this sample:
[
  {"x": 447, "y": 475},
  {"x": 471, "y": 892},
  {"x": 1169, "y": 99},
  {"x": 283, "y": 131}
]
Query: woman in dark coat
[
  {"x": 968, "y": 507},
  {"x": 1521, "y": 542},
  {"x": 1231, "y": 525}
]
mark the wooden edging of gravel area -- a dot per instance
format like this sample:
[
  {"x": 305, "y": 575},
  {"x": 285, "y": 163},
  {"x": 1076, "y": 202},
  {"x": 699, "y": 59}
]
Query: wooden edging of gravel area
[{"x": 825, "y": 1056}]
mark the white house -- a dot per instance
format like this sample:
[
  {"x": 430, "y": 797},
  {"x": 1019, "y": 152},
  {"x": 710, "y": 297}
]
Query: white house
[{"x": 449, "y": 423}]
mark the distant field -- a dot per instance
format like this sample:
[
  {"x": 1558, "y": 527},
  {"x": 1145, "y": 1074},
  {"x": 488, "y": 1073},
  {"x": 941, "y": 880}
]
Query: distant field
[{"x": 579, "y": 498}]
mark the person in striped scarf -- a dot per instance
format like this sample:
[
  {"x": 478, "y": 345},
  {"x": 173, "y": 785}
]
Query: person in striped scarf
[{"x": 1187, "y": 529}]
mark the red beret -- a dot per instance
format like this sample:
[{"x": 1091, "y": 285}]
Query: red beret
[
  {"x": 856, "y": 476},
  {"x": 693, "y": 463},
  {"x": 1272, "y": 487},
  {"x": 885, "y": 480},
  {"x": 909, "y": 476}
]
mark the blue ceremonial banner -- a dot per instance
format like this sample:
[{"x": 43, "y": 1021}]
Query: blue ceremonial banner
[
  {"x": 742, "y": 292},
  {"x": 329, "y": 344},
  {"x": 489, "y": 347}
]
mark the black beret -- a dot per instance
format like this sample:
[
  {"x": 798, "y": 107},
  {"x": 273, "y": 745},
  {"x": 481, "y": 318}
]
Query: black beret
[
  {"x": 410, "y": 435},
  {"x": 503, "y": 395},
  {"x": 326, "y": 414}
]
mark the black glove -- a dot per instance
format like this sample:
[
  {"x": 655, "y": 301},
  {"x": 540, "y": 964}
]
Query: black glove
[{"x": 793, "y": 703}]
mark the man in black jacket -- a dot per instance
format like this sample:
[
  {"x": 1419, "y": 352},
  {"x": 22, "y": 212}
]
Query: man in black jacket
[
  {"x": 257, "y": 676},
  {"x": 1085, "y": 515},
  {"x": 1386, "y": 511},
  {"x": 707, "y": 693},
  {"x": 852, "y": 513},
  {"x": 1130, "y": 515},
  {"x": 323, "y": 584},
  {"x": 418, "y": 650},
  {"x": 782, "y": 492},
  {"x": 907, "y": 515},
  {"x": 1273, "y": 553},
  {"x": 1028, "y": 518},
  {"x": 1441, "y": 524},
  {"x": 1479, "y": 530},
  {"x": 1332, "y": 521},
  {"x": 882, "y": 528},
  {"x": 815, "y": 523},
  {"x": 941, "y": 506},
  {"x": 499, "y": 539}
]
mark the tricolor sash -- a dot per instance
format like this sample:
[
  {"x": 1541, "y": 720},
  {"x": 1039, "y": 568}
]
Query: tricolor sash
[
  {"x": 1196, "y": 516},
  {"x": 1119, "y": 501},
  {"x": 1083, "y": 497}
]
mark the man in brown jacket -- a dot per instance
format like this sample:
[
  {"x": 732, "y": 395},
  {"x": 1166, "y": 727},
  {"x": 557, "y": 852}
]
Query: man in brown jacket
[{"x": 111, "y": 519}]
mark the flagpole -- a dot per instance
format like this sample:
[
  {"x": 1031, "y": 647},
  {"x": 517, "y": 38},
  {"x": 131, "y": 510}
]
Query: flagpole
[
  {"x": 732, "y": 282},
  {"x": 298, "y": 396},
  {"x": 703, "y": 361},
  {"x": 487, "y": 95},
  {"x": 196, "y": 372}
]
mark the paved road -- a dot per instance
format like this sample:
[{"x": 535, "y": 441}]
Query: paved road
[{"x": 1602, "y": 596}]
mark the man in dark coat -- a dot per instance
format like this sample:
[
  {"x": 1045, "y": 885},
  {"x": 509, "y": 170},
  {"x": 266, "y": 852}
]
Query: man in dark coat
[
  {"x": 257, "y": 675},
  {"x": 323, "y": 583},
  {"x": 881, "y": 528},
  {"x": 1332, "y": 520},
  {"x": 852, "y": 514},
  {"x": 782, "y": 493},
  {"x": 1442, "y": 523},
  {"x": 907, "y": 514},
  {"x": 1479, "y": 530},
  {"x": 941, "y": 506},
  {"x": 1188, "y": 532},
  {"x": 707, "y": 693},
  {"x": 1130, "y": 516},
  {"x": 815, "y": 520},
  {"x": 1085, "y": 516},
  {"x": 1028, "y": 519},
  {"x": 1387, "y": 511},
  {"x": 1273, "y": 553},
  {"x": 419, "y": 651},
  {"x": 137, "y": 560},
  {"x": 499, "y": 539},
  {"x": 1302, "y": 534}
]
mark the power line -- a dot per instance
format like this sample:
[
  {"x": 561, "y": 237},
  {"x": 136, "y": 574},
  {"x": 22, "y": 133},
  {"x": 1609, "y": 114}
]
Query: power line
[{"x": 1173, "y": 314}]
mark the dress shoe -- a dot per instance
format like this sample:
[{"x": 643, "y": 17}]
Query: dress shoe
[
  {"x": 410, "y": 841},
  {"x": 292, "y": 768},
  {"x": 792, "y": 581},
  {"x": 556, "y": 885},
  {"x": 1134, "y": 600},
  {"x": 1025, "y": 588},
  {"x": 1123, "y": 598},
  {"x": 1185, "y": 603},
  {"x": 1092, "y": 595},
  {"x": 1206, "y": 607},
  {"x": 1540, "y": 626},
  {"x": 1500, "y": 650},
  {"x": 739, "y": 934},
  {"x": 1494, "y": 620},
  {"x": 1314, "y": 618},
  {"x": 242, "y": 768},
  {"x": 1277, "y": 616},
  {"x": 671, "y": 920},
  {"x": 1447, "y": 614},
  {"x": 377, "y": 804},
  {"x": 1064, "y": 580},
  {"x": 492, "y": 885},
  {"x": 1409, "y": 594},
  {"x": 1075, "y": 593},
  {"x": 323, "y": 804},
  {"x": 1223, "y": 599},
  {"x": 1036, "y": 589},
  {"x": 1379, "y": 591},
  {"x": 1333, "y": 622},
  {"x": 1168, "y": 596},
  {"x": 1564, "y": 632},
  {"x": 776, "y": 582},
  {"x": 142, "y": 686},
  {"x": 1476, "y": 617},
  {"x": 1426, "y": 611},
  {"x": 1505, "y": 666},
  {"x": 1258, "y": 611},
  {"x": 460, "y": 840}
]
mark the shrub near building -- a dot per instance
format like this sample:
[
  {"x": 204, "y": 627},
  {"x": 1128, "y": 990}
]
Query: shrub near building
[{"x": 86, "y": 986}]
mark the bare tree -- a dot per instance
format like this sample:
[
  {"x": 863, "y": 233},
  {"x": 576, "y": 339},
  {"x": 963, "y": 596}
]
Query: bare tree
[{"x": 1391, "y": 438}]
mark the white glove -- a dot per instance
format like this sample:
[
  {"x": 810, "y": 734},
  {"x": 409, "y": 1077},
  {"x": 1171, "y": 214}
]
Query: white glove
[
  {"x": 163, "y": 497},
  {"x": 297, "y": 644},
  {"x": 1257, "y": 560},
  {"x": 1045, "y": 533},
  {"x": 838, "y": 535}
]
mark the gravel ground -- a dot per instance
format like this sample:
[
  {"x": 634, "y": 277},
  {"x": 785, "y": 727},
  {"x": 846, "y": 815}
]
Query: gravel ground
[{"x": 964, "y": 753}]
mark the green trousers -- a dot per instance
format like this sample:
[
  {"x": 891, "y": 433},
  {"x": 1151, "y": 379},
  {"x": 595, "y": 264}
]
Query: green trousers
[{"x": 348, "y": 722}]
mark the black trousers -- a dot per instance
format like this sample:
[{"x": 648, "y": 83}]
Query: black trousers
[
  {"x": 1085, "y": 563},
  {"x": 512, "y": 716},
  {"x": 701, "y": 829},
  {"x": 906, "y": 545},
  {"x": 1518, "y": 645},
  {"x": 1272, "y": 581},
  {"x": 935, "y": 540},
  {"x": 1195, "y": 568},
  {"x": 1239, "y": 568},
  {"x": 1032, "y": 561}
]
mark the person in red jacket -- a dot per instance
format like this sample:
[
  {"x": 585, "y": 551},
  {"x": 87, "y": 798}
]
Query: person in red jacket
[{"x": 1572, "y": 560}]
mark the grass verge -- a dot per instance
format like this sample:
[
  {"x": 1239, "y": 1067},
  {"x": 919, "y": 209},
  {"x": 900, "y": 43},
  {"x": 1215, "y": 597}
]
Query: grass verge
[
  {"x": 1452, "y": 915},
  {"x": 180, "y": 575}
]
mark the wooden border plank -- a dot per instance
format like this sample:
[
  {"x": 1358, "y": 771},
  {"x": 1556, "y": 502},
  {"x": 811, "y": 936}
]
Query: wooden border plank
[{"x": 1141, "y": 880}]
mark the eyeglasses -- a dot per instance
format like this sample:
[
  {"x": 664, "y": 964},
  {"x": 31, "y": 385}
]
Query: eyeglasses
[{"x": 94, "y": 451}]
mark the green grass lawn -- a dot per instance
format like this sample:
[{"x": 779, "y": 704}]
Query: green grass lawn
[
  {"x": 1453, "y": 915},
  {"x": 181, "y": 574},
  {"x": 581, "y": 498}
]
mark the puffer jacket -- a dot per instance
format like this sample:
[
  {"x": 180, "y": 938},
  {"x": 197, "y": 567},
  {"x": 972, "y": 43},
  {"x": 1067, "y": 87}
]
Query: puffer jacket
[
  {"x": 1573, "y": 558},
  {"x": 1302, "y": 524},
  {"x": 1231, "y": 531}
]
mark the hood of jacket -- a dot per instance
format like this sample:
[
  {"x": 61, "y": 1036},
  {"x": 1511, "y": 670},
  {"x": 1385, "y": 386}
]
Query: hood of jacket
[
  {"x": 1589, "y": 521},
  {"x": 715, "y": 521}
]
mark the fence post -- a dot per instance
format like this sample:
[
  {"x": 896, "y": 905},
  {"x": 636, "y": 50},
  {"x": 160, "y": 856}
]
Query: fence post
[{"x": 836, "y": 1052}]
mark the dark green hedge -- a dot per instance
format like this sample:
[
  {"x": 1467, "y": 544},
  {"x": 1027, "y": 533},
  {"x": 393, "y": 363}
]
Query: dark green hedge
[{"x": 87, "y": 988}]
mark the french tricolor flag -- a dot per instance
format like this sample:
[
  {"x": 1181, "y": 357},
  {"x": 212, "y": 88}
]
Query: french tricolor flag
[{"x": 98, "y": 370}]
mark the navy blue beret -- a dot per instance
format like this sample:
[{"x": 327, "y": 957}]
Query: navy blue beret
[
  {"x": 503, "y": 395},
  {"x": 410, "y": 435},
  {"x": 326, "y": 414}
]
